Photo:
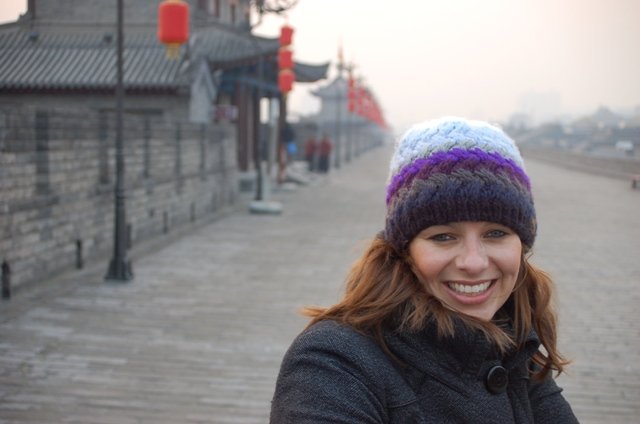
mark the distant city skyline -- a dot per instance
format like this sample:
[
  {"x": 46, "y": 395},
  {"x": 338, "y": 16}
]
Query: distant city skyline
[{"x": 482, "y": 60}]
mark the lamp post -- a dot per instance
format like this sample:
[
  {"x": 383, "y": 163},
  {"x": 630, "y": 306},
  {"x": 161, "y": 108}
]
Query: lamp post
[
  {"x": 339, "y": 99},
  {"x": 261, "y": 204},
  {"x": 285, "y": 79},
  {"x": 120, "y": 266},
  {"x": 351, "y": 100},
  {"x": 259, "y": 148}
]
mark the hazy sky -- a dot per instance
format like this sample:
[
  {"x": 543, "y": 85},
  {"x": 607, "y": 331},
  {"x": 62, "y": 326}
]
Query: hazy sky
[{"x": 476, "y": 58}]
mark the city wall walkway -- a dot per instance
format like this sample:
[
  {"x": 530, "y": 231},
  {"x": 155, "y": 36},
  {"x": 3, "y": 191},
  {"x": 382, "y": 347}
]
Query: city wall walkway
[{"x": 198, "y": 336}]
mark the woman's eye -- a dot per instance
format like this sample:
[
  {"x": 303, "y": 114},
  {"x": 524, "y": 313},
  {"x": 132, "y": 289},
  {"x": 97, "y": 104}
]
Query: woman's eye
[
  {"x": 496, "y": 233},
  {"x": 441, "y": 237}
]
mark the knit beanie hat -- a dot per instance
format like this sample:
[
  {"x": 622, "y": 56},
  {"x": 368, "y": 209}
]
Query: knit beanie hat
[{"x": 450, "y": 170}]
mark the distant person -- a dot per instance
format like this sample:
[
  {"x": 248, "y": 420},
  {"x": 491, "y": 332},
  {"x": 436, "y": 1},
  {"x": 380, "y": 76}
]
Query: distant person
[
  {"x": 444, "y": 320},
  {"x": 287, "y": 150},
  {"x": 292, "y": 151},
  {"x": 310, "y": 148},
  {"x": 324, "y": 153},
  {"x": 289, "y": 141}
]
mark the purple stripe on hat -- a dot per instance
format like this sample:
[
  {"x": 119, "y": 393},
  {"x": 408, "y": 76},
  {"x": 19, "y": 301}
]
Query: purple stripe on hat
[
  {"x": 460, "y": 198},
  {"x": 449, "y": 161}
]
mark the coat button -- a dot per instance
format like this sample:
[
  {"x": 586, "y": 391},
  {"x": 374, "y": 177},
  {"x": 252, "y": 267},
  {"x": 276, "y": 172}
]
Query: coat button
[{"x": 497, "y": 379}]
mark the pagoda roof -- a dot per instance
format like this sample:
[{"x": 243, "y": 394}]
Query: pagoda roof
[{"x": 76, "y": 59}]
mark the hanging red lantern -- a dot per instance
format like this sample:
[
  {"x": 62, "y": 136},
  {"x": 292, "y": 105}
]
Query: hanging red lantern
[
  {"x": 286, "y": 35},
  {"x": 351, "y": 94},
  {"x": 286, "y": 76},
  {"x": 285, "y": 80},
  {"x": 360, "y": 106},
  {"x": 173, "y": 25},
  {"x": 285, "y": 58}
]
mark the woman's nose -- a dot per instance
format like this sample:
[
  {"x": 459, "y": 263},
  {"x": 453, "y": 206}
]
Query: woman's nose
[{"x": 472, "y": 257}]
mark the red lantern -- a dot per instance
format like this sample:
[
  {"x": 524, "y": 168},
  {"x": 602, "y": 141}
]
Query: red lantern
[
  {"x": 286, "y": 35},
  {"x": 173, "y": 25},
  {"x": 285, "y": 59},
  {"x": 286, "y": 76},
  {"x": 360, "y": 106},
  {"x": 285, "y": 80},
  {"x": 351, "y": 94}
]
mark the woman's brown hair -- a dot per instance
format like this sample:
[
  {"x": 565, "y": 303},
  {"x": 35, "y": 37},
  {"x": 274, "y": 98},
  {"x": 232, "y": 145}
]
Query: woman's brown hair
[{"x": 383, "y": 291}]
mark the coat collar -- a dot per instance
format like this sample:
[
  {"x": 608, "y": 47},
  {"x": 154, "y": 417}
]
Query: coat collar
[{"x": 464, "y": 353}]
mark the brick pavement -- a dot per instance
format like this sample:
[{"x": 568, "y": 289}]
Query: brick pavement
[
  {"x": 589, "y": 239},
  {"x": 198, "y": 336}
]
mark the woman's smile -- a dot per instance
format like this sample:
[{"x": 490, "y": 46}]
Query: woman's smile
[{"x": 470, "y": 289}]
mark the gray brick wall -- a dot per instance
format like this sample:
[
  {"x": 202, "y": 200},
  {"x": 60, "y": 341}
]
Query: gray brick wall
[
  {"x": 55, "y": 194},
  {"x": 135, "y": 11},
  {"x": 97, "y": 11}
]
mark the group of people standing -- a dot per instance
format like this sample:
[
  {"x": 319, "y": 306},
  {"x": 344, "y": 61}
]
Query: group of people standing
[{"x": 317, "y": 154}]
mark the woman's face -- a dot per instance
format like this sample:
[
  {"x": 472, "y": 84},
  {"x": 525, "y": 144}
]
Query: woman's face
[{"x": 471, "y": 267}]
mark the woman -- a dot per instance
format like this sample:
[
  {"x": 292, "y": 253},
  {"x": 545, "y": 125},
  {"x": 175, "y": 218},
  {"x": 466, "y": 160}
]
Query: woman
[{"x": 443, "y": 320}]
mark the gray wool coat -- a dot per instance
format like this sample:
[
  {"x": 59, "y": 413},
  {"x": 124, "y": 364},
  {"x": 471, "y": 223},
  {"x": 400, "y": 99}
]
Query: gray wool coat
[{"x": 333, "y": 374}]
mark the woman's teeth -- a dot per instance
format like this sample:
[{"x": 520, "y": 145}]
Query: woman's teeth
[{"x": 469, "y": 289}]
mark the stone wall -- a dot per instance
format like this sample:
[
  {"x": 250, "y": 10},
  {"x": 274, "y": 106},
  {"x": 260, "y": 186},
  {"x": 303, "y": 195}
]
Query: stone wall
[
  {"x": 93, "y": 11},
  {"x": 57, "y": 183},
  {"x": 135, "y": 12}
]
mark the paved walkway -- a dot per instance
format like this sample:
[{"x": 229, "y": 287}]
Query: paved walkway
[{"x": 198, "y": 336}]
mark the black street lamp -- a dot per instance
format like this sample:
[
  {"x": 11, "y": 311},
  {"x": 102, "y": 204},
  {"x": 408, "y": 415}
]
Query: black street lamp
[
  {"x": 119, "y": 267},
  {"x": 259, "y": 149},
  {"x": 261, "y": 204}
]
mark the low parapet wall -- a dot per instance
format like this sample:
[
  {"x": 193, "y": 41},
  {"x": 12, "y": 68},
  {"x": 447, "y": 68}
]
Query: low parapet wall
[{"x": 621, "y": 168}]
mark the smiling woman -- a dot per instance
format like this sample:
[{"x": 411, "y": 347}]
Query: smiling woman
[
  {"x": 471, "y": 267},
  {"x": 443, "y": 319}
]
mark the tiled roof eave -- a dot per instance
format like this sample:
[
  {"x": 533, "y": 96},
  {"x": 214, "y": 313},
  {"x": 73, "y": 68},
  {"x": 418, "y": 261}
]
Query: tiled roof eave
[
  {"x": 311, "y": 73},
  {"x": 108, "y": 89},
  {"x": 84, "y": 62}
]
